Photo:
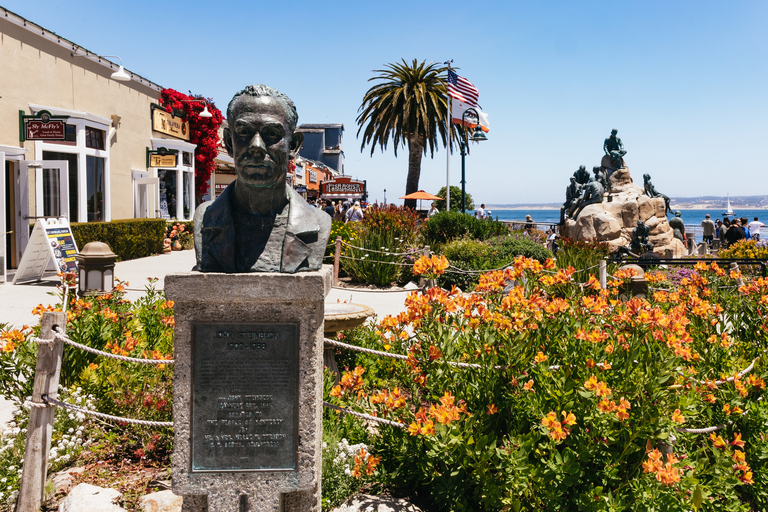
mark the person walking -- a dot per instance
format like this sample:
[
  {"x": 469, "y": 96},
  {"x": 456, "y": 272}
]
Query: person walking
[
  {"x": 708, "y": 229},
  {"x": 754, "y": 229},
  {"x": 355, "y": 214}
]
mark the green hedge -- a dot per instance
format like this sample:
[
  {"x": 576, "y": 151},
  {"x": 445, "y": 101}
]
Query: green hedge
[
  {"x": 443, "y": 227},
  {"x": 128, "y": 238}
]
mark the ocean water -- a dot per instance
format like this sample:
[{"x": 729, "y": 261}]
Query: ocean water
[{"x": 691, "y": 218}]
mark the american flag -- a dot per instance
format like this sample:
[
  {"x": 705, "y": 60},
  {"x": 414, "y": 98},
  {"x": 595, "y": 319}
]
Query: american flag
[{"x": 462, "y": 89}]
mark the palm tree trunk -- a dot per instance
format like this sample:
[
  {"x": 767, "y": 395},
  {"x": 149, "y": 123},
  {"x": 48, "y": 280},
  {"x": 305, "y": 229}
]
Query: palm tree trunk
[{"x": 415, "y": 153}]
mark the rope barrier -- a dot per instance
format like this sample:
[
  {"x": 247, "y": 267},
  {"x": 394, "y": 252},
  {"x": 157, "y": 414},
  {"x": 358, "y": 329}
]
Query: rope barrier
[
  {"x": 364, "y": 416},
  {"x": 702, "y": 430},
  {"x": 120, "y": 419},
  {"x": 388, "y": 253},
  {"x": 378, "y": 261},
  {"x": 368, "y": 290},
  {"x": 64, "y": 339},
  {"x": 399, "y": 356}
]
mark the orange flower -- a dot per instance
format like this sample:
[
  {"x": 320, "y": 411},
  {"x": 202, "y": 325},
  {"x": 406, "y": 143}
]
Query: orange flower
[
  {"x": 717, "y": 441},
  {"x": 677, "y": 417},
  {"x": 492, "y": 409},
  {"x": 528, "y": 386},
  {"x": 92, "y": 366},
  {"x": 549, "y": 420},
  {"x": 540, "y": 357},
  {"x": 737, "y": 441},
  {"x": 568, "y": 419}
]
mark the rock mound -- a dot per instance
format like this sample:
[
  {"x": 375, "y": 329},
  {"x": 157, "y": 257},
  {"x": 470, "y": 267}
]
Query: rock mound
[{"x": 614, "y": 219}]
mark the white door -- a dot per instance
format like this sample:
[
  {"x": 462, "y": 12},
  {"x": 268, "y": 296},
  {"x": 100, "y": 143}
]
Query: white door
[
  {"x": 51, "y": 195},
  {"x": 145, "y": 198}
]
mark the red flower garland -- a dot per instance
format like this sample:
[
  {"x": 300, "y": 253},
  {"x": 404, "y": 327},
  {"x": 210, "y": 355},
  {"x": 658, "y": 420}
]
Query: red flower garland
[{"x": 203, "y": 132}]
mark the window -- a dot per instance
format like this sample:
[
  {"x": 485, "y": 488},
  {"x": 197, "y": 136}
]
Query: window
[
  {"x": 94, "y": 138},
  {"x": 186, "y": 157},
  {"x": 94, "y": 176},
  {"x": 70, "y": 133},
  {"x": 167, "y": 193}
]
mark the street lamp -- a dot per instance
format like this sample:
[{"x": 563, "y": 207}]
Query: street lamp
[
  {"x": 120, "y": 75},
  {"x": 477, "y": 136}
]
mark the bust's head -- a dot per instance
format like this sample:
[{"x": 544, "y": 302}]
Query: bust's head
[
  {"x": 614, "y": 132},
  {"x": 261, "y": 136},
  {"x": 646, "y": 177}
]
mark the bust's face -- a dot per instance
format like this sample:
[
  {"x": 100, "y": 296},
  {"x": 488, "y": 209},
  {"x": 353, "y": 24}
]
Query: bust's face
[{"x": 261, "y": 141}]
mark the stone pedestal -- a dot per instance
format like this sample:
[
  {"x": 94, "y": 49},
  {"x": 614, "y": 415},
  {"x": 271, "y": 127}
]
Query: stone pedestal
[{"x": 248, "y": 383}]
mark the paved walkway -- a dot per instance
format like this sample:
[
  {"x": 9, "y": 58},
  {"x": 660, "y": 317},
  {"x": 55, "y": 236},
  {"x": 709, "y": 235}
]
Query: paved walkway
[{"x": 17, "y": 301}]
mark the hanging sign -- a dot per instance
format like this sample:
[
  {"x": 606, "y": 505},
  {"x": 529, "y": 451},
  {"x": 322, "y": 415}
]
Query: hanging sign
[
  {"x": 169, "y": 124},
  {"x": 343, "y": 187},
  {"x": 162, "y": 157},
  {"x": 50, "y": 239},
  {"x": 162, "y": 160},
  {"x": 42, "y": 126}
]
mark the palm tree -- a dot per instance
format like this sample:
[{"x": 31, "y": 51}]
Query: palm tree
[{"x": 409, "y": 106}]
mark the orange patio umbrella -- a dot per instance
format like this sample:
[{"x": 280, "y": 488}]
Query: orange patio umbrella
[{"x": 422, "y": 195}]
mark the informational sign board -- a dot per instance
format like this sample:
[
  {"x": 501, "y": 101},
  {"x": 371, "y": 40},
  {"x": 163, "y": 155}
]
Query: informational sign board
[
  {"x": 245, "y": 397},
  {"x": 50, "y": 239},
  {"x": 169, "y": 124},
  {"x": 42, "y": 126}
]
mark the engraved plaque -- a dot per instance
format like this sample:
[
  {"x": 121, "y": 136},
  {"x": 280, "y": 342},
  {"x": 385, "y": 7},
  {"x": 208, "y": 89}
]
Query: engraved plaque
[{"x": 244, "y": 397}]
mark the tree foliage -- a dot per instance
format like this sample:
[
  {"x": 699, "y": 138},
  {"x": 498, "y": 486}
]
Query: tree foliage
[
  {"x": 407, "y": 105},
  {"x": 469, "y": 204}
]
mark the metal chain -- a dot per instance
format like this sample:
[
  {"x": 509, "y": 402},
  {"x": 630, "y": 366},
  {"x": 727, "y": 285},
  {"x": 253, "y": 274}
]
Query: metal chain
[
  {"x": 63, "y": 338},
  {"x": 83, "y": 410},
  {"x": 364, "y": 416}
]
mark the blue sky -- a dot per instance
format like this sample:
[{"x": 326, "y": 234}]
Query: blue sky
[{"x": 684, "y": 82}]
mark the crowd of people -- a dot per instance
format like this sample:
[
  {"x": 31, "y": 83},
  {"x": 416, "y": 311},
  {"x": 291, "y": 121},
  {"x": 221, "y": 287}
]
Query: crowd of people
[
  {"x": 344, "y": 211},
  {"x": 730, "y": 231}
]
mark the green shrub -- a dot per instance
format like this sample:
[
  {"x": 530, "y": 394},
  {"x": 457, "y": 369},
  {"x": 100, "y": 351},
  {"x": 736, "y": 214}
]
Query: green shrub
[
  {"x": 375, "y": 258},
  {"x": 443, "y": 227},
  {"x": 581, "y": 254},
  {"x": 128, "y": 238},
  {"x": 398, "y": 221},
  {"x": 470, "y": 255}
]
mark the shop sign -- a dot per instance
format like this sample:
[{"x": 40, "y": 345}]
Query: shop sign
[
  {"x": 343, "y": 187},
  {"x": 42, "y": 126},
  {"x": 169, "y": 124},
  {"x": 312, "y": 176},
  {"x": 162, "y": 160},
  {"x": 162, "y": 157}
]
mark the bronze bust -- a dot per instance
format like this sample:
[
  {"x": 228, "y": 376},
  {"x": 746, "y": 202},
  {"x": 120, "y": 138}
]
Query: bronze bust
[{"x": 259, "y": 223}]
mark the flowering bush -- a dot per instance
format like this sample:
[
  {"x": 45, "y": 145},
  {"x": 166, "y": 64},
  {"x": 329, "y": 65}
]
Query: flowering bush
[
  {"x": 747, "y": 249},
  {"x": 556, "y": 396},
  {"x": 181, "y": 232},
  {"x": 203, "y": 132}
]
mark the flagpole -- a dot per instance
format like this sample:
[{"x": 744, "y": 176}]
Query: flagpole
[{"x": 448, "y": 122}]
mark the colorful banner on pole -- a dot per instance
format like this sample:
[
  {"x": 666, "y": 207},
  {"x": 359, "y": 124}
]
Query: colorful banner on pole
[{"x": 457, "y": 111}]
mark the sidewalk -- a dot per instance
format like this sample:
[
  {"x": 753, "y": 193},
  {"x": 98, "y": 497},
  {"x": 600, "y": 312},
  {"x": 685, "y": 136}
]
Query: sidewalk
[{"x": 17, "y": 301}]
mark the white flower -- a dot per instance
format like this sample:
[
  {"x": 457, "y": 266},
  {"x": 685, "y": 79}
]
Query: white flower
[
  {"x": 70, "y": 430},
  {"x": 346, "y": 472},
  {"x": 11, "y": 468}
]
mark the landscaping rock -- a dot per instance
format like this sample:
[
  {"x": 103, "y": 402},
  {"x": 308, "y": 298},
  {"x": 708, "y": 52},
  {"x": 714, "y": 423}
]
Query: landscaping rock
[
  {"x": 63, "y": 480},
  {"x": 91, "y": 498},
  {"x": 163, "y": 501},
  {"x": 367, "y": 503}
]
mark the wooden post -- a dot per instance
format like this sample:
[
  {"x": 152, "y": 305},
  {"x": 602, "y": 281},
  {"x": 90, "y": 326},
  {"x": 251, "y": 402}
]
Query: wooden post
[
  {"x": 35, "y": 467},
  {"x": 336, "y": 258},
  {"x": 603, "y": 274}
]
